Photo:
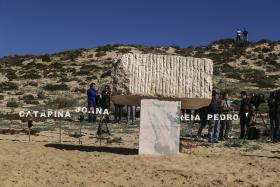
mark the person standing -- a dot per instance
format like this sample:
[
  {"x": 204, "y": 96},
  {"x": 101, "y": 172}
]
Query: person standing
[
  {"x": 277, "y": 122},
  {"x": 202, "y": 112},
  {"x": 91, "y": 95},
  {"x": 245, "y": 114},
  {"x": 225, "y": 124},
  {"x": 245, "y": 35},
  {"x": 238, "y": 35},
  {"x": 105, "y": 100},
  {"x": 274, "y": 117},
  {"x": 214, "y": 126},
  {"x": 131, "y": 113},
  {"x": 118, "y": 113}
]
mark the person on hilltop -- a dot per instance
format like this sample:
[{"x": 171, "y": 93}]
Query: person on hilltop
[
  {"x": 245, "y": 35},
  {"x": 238, "y": 35},
  {"x": 91, "y": 95}
]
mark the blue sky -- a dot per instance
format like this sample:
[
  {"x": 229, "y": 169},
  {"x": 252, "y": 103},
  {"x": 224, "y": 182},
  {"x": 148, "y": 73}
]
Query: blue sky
[{"x": 47, "y": 26}]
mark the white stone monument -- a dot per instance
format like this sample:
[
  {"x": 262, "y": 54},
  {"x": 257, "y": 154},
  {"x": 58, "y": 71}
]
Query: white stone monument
[{"x": 161, "y": 85}]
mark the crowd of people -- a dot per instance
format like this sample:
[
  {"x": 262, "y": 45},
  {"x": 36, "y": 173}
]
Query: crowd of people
[
  {"x": 103, "y": 101},
  {"x": 219, "y": 130},
  {"x": 242, "y": 35}
]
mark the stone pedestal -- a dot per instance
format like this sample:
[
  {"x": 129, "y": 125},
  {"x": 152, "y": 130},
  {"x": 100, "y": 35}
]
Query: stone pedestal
[{"x": 159, "y": 127}]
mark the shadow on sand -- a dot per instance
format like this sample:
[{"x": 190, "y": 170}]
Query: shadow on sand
[
  {"x": 115, "y": 150},
  {"x": 262, "y": 156}
]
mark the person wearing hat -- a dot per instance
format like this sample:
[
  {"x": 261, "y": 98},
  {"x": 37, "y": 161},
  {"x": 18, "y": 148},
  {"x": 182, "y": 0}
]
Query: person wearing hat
[
  {"x": 214, "y": 126},
  {"x": 245, "y": 114},
  {"x": 91, "y": 95}
]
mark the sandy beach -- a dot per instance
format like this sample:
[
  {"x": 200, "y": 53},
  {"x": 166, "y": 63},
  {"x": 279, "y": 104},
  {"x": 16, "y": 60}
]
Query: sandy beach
[{"x": 47, "y": 163}]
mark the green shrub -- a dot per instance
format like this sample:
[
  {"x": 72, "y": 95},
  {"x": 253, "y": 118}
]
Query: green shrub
[
  {"x": 90, "y": 67},
  {"x": 32, "y": 102},
  {"x": 90, "y": 56},
  {"x": 106, "y": 74},
  {"x": 41, "y": 95},
  {"x": 12, "y": 104},
  {"x": 100, "y": 54},
  {"x": 31, "y": 75},
  {"x": 63, "y": 102},
  {"x": 11, "y": 75},
  {"x": 1, "y": 97},
  {"x": 253, "y": 74},
  {"x": 83, "y": 72},
  {"x": 46, "y": 58},
  {"x": 244, "y": 62},
  {"x": 19, "y": 93},
  {"x": 56, "y": 65},
  {"x": 226, "y": 68},
  {"x": 32, "y": 83},
  {"x": 267, "y": 82},
  {"x": 124, "y": 50},
  {"x": 80, "y": 90},
  {"x": 92, "y": 77},
  {"x": 56, "y": 87},
  {"x": 261, "y": 56},
  {"x": 265, "y": 49},
  {"x": 8, "y": 86},
  {"x": 28, "y": 97},
  {"x": 104, "y": 48},
  {"x": 234, "y": 75}
]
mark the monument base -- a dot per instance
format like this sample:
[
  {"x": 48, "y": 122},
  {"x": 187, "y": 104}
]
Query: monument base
[{"x": 159, "y": 127}]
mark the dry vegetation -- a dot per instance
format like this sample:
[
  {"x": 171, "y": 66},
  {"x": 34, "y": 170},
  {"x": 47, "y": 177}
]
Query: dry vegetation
[
  {"x": 254, "y": 67},
  {"x": 60, "y": 80}
]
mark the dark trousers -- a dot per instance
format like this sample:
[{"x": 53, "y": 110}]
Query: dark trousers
[
  {"x": 224, "y": 129},
  {"x": 244, "y": 125},
  {"x": 91, "y": 113},
  {"x": 106, "y": 118},
  {"x": 203, "y": 124},
  {"x": 118, "y": 113},
  {"x": 131, "y": 113},
  {"x": 238, "y": 38},
  {"x": 213, "y": 130},
  {"x": 274, "y": 126}
]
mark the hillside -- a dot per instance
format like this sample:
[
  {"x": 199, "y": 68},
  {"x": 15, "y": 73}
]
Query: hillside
[{"x": 41, "y": 81}]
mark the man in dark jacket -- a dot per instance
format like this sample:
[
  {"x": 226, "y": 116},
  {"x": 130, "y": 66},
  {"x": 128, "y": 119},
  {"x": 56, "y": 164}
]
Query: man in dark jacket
[
  {"x": 105, "y": 100},
  {"x": 274, "y": 116},
  {"x": 106, "y": 97},
  {"x": 245, "y": 35},
  {"x": 245, "y": 114}
]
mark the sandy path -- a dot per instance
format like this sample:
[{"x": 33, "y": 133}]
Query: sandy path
[{"x": 36, "y": 164}]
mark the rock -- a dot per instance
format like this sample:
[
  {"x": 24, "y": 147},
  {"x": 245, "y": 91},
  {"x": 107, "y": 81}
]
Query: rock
[{"x": 162, "y": 76}]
